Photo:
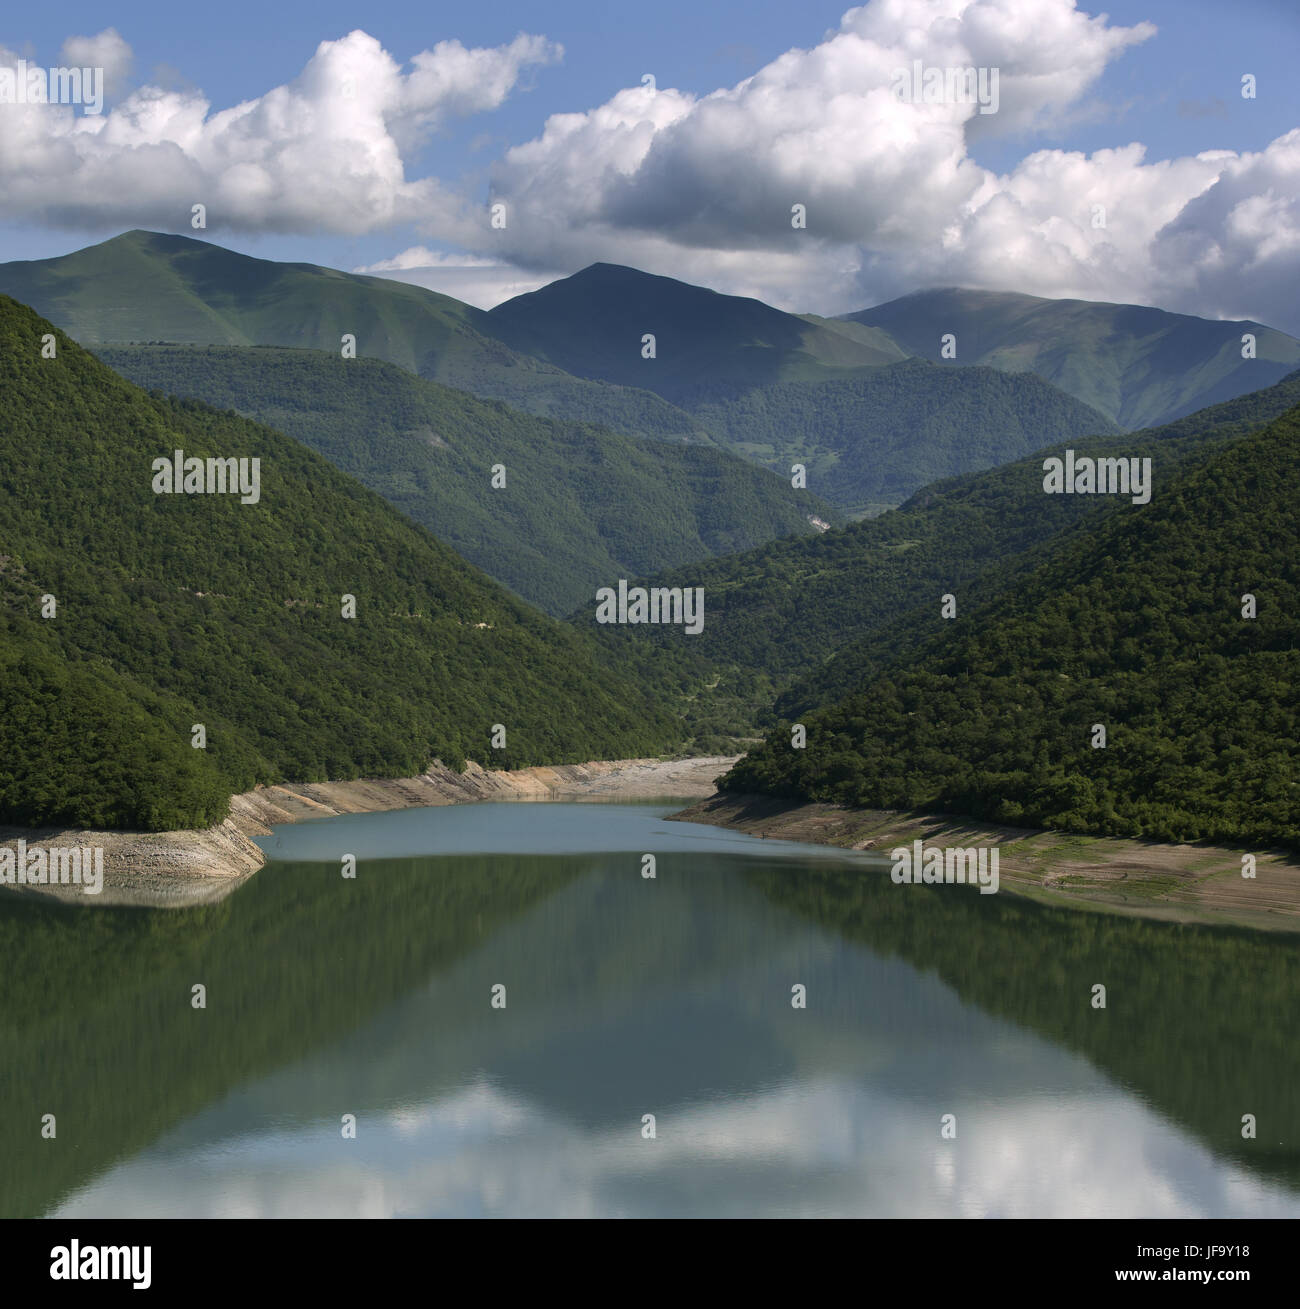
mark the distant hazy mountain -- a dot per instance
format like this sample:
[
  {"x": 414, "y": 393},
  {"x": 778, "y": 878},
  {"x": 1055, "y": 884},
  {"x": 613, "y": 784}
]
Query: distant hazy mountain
[
  {"x": 129, "y": 613},
  {"x": 581, "y": 507},
  {"x": 706, "y": 345},
  {"x": 1139, "y": 366},
  {"x": 842, "y": 397},
  {"x": 869, "y": 425},
  {"x": 874, "y": 436},
  {"x": 146, "y": 287}
]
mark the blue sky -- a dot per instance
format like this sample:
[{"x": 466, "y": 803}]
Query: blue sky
[{"x": 1177, "y": 93}]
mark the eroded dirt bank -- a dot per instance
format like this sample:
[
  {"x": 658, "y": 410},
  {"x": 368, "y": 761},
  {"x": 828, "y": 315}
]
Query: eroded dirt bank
[
  {"x": 1187, "y": 883},
  {"x": 196, "y": 867}
]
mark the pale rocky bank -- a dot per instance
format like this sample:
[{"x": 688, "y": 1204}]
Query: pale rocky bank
[
  {"x": 1181, "y": 883},
  {"x": 196, "y": 867}
]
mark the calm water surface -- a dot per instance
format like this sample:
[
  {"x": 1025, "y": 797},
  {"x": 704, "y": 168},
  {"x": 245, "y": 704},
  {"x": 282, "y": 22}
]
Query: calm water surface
[{"x": 628, "y": 996}]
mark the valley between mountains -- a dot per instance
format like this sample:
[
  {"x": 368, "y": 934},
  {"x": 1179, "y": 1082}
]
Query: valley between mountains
[{"x": 884, "y": 577}]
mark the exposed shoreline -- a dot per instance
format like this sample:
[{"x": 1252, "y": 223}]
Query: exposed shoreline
[
  {"x": 181, "y": 868},
  {"x": 1180, "y": 883},
  {"x": 1183, "y": 883}
]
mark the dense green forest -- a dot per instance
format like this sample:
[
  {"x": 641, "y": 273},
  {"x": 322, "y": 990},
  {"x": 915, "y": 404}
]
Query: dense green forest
[
  {"x": 802, "y": 621},
  {"x": 994, "y": 528},
  {"x": 1134, "y": 623},
  {"x": 181, "y": 609},
  {"x": 581, "y": 507}
]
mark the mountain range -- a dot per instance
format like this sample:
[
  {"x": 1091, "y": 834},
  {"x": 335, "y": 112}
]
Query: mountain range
[
  {"x": 144, "y": 287},
  {"x": 848, "y": 400},
  {"x": 129, "y": 617}
]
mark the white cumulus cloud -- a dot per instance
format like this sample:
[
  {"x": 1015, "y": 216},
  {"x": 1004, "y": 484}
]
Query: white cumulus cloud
[
  {"x": 323, "y": 153},
  {"x": 107, "y": 50},
  {"x": 703, "y": 187}
]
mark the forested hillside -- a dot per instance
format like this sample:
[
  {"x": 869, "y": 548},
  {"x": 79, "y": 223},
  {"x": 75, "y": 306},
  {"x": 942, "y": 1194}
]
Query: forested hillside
[
  {"x": 581, "y": 506},
  {"x": 1175, "y": 626},
  {"x": 128, "y": 616},
  {"x": 802, "y": 622}
]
